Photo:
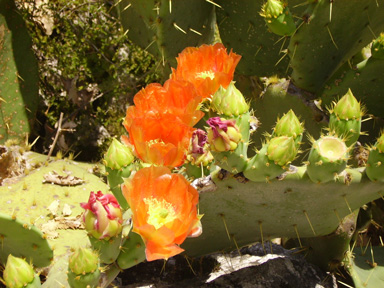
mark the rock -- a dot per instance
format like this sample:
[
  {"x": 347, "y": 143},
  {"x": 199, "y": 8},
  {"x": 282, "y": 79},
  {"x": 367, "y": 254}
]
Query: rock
[{"x": 274, "y": 267}]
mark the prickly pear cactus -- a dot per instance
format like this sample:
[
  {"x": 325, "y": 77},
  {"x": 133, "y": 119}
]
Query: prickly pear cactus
[
  {"x": 296, "y": 175},
  {"x": 365, "y": 266},
  {"x": 18, "y": 75},
  {"x": 165, "y": 28},
  {"x": 40, "y": 208},
  {"x": 23, "y": 240}
]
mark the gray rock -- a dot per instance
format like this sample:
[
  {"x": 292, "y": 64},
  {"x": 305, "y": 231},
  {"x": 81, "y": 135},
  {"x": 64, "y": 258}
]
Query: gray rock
[{"x": 256, "y": 266}]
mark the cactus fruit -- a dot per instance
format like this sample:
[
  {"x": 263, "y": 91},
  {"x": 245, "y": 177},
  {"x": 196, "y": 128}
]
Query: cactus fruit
[
  {"x": 327, "y": 158},
  {"x": 83, "y": 269}
]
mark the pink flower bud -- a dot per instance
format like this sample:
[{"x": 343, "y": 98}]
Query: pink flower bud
[{"x": 103, "y": 217}]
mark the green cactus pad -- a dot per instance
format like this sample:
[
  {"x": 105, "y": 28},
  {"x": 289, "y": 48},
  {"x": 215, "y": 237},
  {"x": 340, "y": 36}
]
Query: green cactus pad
[
  {"x": 378, "y": 47},
  {"x": 107, "y": 249},
  {"x": 23, "y": 240},
  {"x": 366, "y": 269},
  {"x": 57, "y": 275},
  {"x": 115, "y": 179},
  {"x": 244, "y": 30},
  {"x": 18, "y": 75},
  {"x": 338, "y": 37},
  {"x": 165, "y": 28},
  {"x": 237, "y": 212},
  {"x": 327, "y": 158},
  {"x": 30, "y": 197},
  {"x": 357, "y": 79},
  {"x": 375, "y": 165},
  {"x": 132, "y": 252}
]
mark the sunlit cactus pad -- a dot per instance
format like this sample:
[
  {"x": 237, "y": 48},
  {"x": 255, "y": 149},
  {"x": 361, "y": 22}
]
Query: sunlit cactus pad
[
  {"x": 30, "y": 196},
  {"x": 23, "y": 240},
  {"x": 236, "y": 214}
]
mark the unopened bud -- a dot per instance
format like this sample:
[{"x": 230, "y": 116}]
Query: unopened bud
[
  {"x": 229, "y": 101},
  {"x": 118, "y": 155}
]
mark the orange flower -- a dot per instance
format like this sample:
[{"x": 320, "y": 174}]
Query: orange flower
[
  {"x": 179, "y": 98},
  {"x": 160, "y": 139},
  {"x": 207, "y": 67},
  {"x": 164, "y": 210},
  {"x": 183, "y": 100}
]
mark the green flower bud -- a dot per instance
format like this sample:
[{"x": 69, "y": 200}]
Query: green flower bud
[
  {"x": 348, "y": 107},
  {"x": 273, "y": 9},
  {"x": 83, "y": 268},
  {"x": 83, "y": 261},
  {"x": 377, "y": 48},
  {"x": 278, "y": 17},
  {"x": 289, "y": 125},
  {"x": 282, "y": 150},
  {"x": 223, "y": 135},
  {"x": 118, "y": 155},
  {"x": 17, "y": 273},
  {"x": 229, "y": 101}
]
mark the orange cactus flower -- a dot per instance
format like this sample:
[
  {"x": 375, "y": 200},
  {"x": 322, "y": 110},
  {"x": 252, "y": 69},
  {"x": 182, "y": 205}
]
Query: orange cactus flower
[
  {"x": 164, "y": 210},
  {"x": 160, "y": 139},
  {"x": 179, "y": 98},
  {"x": 207, "y": 67}
]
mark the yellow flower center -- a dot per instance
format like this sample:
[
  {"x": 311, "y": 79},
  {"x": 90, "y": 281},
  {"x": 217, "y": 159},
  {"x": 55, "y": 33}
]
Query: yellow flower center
[
  {"x": 159, "y": 212},
  {"x": 206, "y": 74}
]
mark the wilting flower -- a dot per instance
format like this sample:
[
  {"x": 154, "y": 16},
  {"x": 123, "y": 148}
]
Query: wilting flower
[
  {"x": 207, "y": 67},
  {"x": 198, "y": 151},
  {"x": 223, "y": 135},
  {"x": 103, "y": 217},
  {"x": 164, "y": 210},
  {"x": 160, "y": 139}
]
